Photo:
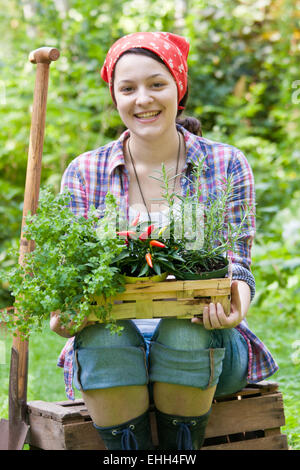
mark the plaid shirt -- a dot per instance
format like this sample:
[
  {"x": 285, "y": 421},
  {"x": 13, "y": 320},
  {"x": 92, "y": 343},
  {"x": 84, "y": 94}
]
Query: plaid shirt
[{"x": 91, "y": 175}]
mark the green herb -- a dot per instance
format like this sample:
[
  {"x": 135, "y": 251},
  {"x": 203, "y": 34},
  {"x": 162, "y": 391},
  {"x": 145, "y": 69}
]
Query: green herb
[
  {"x": 71, "y": 263},
  {"x": 200, "y": 229}
]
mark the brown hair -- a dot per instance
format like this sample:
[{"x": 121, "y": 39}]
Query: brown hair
[{"x": 191, "y": 124}]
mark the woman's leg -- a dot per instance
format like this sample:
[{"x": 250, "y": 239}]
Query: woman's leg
[
  {"x": 185, "y": 370},
  {"x": 110, "y": 370},
  {"x": 182, "y": 400},
  {"x": 112, "y": 406}
]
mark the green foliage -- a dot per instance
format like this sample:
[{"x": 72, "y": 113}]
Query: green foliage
[
  {"x": 243, "y": 76},
  {"x": 70, "y": 265},
  {"x": 243, "y": 73}
]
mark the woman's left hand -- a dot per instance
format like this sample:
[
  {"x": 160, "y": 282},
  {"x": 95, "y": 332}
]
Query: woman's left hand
[{"x": 214, "y": 317}]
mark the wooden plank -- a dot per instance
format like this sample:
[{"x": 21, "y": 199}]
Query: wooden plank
[
  {"x": 260, "y": 412},
  {"x": 278, "y": 442},
  {"x": 182, "y": 308},
  {"x": 82, "y": 436},
  {"x": 272, "y": 432},
  {"x": 224, "y": 300},
  {"x": 265, "y": 386},
  {"x": 167, "y": 294},
  {"x": 45, "y": 433},
  {"x": 216, "y": 285},
  {"x": 171, "y": 298},
  {"x": 144, "y": 308},
  {"x": 53, "y": 410},
  {"x": 69, "y": 403}
]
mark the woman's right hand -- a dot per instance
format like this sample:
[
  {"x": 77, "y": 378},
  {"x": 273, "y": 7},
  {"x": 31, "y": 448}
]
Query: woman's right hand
[{"x": 55, "y": 325}]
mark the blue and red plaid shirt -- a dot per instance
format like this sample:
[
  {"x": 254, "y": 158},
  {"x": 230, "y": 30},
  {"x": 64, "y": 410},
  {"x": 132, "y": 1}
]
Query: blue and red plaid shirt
[{"x": 91, "y": 175}]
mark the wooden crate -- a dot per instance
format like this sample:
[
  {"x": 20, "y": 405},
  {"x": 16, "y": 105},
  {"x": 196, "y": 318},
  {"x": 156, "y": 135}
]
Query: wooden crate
[
  {"x": 170, "y": 298},
  {"x": 247, "y": 420}
]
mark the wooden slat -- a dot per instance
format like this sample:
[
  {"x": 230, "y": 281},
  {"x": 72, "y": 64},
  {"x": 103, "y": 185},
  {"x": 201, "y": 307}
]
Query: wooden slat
[
  {"x": 213, "y": 285},
  {"x": 278, "y": 442},
  {"x": 45, "y": 433},
  {"x": 186, "y": 308},
  {"x": 54, "y": 411},
  {"x": 144, "y": 308},
  {"x": 171, "y": 298},
  {"x": 265, "y": 386},
  {"x": 82, "y": 436},
  {"x": 251, "y": 414},
  {"x": 69, "y": 403},
  {"x": 166, "y": 294}
]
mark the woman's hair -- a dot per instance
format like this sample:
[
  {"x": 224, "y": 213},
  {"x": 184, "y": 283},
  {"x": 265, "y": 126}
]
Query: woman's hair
[{"x": 191, "y": 124}]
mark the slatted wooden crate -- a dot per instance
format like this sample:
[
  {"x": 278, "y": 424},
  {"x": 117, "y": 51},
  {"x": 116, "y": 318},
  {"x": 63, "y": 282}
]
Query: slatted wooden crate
[
  {"x": 170, "y": 298},
  {"x": 247, "y": 420}
]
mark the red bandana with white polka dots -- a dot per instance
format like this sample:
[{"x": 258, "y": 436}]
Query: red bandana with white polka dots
[{"x": 171, "y": 48}]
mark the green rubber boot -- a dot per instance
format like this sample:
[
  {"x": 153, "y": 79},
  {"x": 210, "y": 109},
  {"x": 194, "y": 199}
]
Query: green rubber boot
[
  {"x": 181, "y": 432},
  {"x": 132, "y": 435}
]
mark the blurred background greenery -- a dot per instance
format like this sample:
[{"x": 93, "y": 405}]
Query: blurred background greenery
[{"x": 244, "y": 81}]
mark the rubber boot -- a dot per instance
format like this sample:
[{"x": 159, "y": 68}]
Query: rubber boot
[
  {"x": 180, "y": 432},
  {"x": 132, "y": 435}
]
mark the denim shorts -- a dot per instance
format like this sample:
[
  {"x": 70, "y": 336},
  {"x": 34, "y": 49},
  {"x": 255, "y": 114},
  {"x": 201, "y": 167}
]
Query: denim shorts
[{"x": 177, "y": 352}]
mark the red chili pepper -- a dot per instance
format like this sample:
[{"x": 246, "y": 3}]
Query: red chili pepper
[
  {"x": 125, "y": 233},
  {"x": 135, "y": 222},
  {"x": 157, "y": 243},
  {"x": 149, "y": 260},
  {"x": 146, "y": 234},
  {"x": 150, "y": 229}
]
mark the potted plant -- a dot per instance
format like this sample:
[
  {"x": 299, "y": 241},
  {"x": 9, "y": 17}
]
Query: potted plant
[
  {"x": 71, "y": 263},
  {"x": 199, "y": 230},
  {"x": 144, "y": 257}
]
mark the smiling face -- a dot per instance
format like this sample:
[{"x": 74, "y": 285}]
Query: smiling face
[{"x": 146, "y": 96}]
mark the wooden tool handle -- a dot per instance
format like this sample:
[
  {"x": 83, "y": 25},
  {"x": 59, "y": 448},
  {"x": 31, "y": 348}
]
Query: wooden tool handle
[{"x": 44, "y": 55}]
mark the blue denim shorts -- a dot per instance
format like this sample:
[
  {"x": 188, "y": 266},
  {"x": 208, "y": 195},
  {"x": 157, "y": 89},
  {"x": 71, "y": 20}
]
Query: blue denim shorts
[{"x": 177, "y": 352}]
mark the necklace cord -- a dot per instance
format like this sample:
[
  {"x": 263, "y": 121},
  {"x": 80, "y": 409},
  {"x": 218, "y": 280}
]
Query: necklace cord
[{"x": 137, "y": 179}]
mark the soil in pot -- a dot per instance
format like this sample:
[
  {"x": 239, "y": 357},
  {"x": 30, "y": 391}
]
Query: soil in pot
[{"x": 218, "y": 273}]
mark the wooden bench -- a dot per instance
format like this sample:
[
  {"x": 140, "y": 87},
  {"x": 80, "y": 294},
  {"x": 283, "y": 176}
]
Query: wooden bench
[{"x": 247, "y": 420}]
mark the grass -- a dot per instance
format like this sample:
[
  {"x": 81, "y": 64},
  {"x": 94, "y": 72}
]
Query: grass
[
  {"x": 276, "y": 328},
  {"x": 281, "y": 333}
]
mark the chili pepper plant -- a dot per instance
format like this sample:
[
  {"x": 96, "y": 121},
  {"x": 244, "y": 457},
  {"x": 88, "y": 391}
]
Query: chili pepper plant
[{"x": 144, "y": 254}]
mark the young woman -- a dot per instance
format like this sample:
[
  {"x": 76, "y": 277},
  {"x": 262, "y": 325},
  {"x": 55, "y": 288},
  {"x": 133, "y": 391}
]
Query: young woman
[{"x": 190, "y": 362}]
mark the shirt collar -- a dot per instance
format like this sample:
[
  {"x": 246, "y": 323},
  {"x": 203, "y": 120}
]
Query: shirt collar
[
  {"x": 195, "y": 148},
  {"x": 116, "y": 157}
]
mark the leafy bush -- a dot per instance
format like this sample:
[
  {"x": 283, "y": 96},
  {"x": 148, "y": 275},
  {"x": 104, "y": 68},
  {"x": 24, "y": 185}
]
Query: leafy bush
[{"x": 70, "y": 264}]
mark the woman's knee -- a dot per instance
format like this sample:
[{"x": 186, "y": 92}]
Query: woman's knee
[
  {"x": 182, "y": 334},
  {"x": 112, "y": 406}
]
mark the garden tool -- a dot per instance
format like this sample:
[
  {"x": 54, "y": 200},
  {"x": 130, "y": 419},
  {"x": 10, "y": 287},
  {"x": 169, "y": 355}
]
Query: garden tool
[{"x": 13, "y": 431}]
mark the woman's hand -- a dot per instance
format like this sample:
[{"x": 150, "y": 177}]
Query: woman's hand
[
  {"x": 214, "y": 316},
  {"x": 55, "y": 325}
]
